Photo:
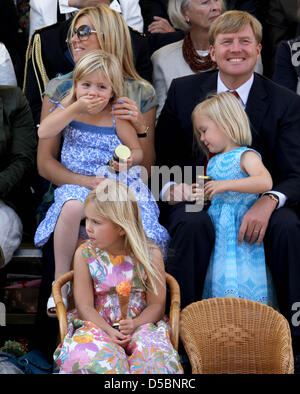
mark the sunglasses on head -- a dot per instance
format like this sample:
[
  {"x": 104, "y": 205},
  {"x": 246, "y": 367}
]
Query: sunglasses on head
[{"x": 83, "y": 32}]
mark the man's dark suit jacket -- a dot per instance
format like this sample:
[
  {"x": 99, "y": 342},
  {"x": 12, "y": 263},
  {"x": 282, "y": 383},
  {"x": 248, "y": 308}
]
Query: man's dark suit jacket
[
  {"x": 54, "y": 48},
  {"x": 274, "y": 114}
]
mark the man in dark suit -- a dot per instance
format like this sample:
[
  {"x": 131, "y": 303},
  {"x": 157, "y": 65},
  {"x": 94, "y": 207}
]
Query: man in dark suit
[{"x": 275, "y": 124}]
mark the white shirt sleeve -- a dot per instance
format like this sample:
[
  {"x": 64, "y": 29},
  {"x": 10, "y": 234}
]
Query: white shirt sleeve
[
  {"x": 42, "y": 13},
  {"x": 131, "y": 12},
  {"x": 281, "y": 196},
  {"x": 64, "y": 7},
  {"x": 7, "y": 71}
]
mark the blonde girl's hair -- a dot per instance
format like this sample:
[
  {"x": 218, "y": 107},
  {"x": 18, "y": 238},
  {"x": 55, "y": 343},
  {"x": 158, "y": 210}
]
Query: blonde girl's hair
[
  {"x": 233, "y": 22},
  {"x": 100, "y": 62},
  {"x": 113, "y": 36},
  {"x": 175, "y": 8},
  {"x": 228, "y": 114},
  {"x": 114, "y": 201}
]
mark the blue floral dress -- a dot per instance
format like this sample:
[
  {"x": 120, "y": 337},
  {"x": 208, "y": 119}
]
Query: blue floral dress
[
  {"x": 88, "y": 349},
  {"x": 86, "y": 150},
  {"x": 234, "y": 270}
]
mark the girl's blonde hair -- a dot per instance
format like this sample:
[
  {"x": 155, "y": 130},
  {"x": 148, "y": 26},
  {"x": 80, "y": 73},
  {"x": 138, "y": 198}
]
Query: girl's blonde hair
[
  {"x": 114, "y": 201},
  {"x": 113, "y": 35},
  {"x": 100, "y": 62},
  {"x": 226, "y": 111}
]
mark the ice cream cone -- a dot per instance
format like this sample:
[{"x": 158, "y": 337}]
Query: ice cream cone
[
  {"x": 123, "y": 291},
  {"x": 124, "y": 302}
]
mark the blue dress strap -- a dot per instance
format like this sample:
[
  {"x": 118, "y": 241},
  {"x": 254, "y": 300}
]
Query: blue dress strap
[
  {"x": 57, "y": 104},
  {"x": 113, "y": 118}
]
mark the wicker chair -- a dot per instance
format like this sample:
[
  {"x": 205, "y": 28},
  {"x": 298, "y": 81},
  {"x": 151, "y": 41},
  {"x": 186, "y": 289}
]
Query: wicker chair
[
  {"x": 236, "y": 336},
  {"x": 174, "y": 312}
]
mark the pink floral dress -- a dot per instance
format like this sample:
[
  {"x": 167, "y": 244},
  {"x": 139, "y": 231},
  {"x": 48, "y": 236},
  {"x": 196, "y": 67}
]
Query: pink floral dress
[{"x": 88, "y": 349}]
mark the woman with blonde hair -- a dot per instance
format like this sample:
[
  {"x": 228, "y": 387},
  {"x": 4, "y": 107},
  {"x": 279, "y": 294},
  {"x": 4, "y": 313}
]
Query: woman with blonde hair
[
  {"x": 91, "y": 134},
  {"x": 118, "y": 257},
  {"x": 102, "y": 28},
  {"x": 237, "y": 268}
]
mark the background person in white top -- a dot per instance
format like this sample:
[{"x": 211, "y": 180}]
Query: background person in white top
[
  {"x": 7, "y": 71},
  {"x": 44, "y": 12}
]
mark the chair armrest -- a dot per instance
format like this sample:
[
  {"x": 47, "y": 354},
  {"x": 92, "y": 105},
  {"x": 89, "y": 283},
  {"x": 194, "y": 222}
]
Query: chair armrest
[
  {"x": 174, "y": 314},
  {"x": 60, "y": 306}
]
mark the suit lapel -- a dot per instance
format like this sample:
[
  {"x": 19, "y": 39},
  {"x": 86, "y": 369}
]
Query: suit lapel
[
  {"x": 208, "y": 86},
  {"x": 256, "y": 108}
]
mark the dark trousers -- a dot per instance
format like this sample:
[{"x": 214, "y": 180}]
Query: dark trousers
[
  {"x": 46, "y": 328},
  {"x": 193, "y": 240}
]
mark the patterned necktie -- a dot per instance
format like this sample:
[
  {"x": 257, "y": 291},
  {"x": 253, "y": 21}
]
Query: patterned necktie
[{"x": 235, "y": 93}]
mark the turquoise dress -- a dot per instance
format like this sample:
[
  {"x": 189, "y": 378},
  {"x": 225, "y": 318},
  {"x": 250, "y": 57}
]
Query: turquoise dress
[{"x": 234, "y": 270}]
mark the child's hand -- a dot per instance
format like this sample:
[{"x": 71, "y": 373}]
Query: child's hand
[
  {"x": 122, "y": 166},
  {"x": 183, "y": 192},
  {"x": 215, "y": 187},
  {"x": 118, "y": 337},
  {"x": 91, "y": 104},
  {"x": 126, "y": 326}
]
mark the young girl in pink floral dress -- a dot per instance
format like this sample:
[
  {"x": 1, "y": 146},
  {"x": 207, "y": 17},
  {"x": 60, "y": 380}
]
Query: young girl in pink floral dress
[{"x": 117, "y": 251}]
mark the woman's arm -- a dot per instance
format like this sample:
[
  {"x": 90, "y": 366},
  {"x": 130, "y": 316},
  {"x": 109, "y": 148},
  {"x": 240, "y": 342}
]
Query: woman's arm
[
  {"x": 258, "y": 181},
  {"x": 156, "y": 303},
  {"x": 84, "y": 299}
]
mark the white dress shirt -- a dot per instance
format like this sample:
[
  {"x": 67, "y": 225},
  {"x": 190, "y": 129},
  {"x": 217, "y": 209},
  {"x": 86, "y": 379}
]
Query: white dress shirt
[
  {"x": 7, "y": 71},
  {"x": 44, "y": 12}
]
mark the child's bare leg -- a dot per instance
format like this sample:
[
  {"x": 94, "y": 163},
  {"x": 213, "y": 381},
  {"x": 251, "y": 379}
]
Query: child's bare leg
[{"x": 66, "y": 237}]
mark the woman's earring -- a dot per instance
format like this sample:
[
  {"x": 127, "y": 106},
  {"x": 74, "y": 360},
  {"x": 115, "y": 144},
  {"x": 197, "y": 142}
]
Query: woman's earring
[{"x": 188, "y": 21}]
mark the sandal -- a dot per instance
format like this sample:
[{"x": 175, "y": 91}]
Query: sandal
[{"x": 51, "y": 306}]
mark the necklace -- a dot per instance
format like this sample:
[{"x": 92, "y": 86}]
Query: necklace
[{"x": 196, "y": 62}]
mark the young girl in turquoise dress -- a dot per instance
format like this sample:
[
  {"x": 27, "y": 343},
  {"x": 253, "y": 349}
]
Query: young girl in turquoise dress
[
  {"x": 90, "y": 137},
  {"x": 237, "y": 268},
  {"x": 117, "y": 251}
]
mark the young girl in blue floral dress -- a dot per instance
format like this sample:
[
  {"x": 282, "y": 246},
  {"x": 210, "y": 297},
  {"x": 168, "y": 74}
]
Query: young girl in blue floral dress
[
  {"x": 91, "y": 135},
  {"x": 237, "y": 267},
  {"x": 117, "y": 251}
]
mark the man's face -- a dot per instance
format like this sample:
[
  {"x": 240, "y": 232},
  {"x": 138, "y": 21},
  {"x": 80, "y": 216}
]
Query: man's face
[{"x": 236, "y": 54}]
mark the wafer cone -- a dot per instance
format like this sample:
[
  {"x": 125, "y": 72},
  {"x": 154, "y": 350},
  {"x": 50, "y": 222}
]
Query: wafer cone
[
  {"x": 123, "y": 291},
  {"x": 124, "y": 302}
]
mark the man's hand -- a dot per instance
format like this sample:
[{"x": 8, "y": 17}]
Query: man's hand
[
  {"x": 183, "y": 192},
  {"x": 87, "y": 3},
  {"x": 256, "y": 220},
  {"x": 160, "y": 25}
]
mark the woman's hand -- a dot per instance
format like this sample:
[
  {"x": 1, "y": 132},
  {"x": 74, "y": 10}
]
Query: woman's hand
[
  {"x": 160, "y": 25},
  {"x": 125, "y": 108},
  {"x": 127, "y": 326},
  {"x": 91, "y": 182}
]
